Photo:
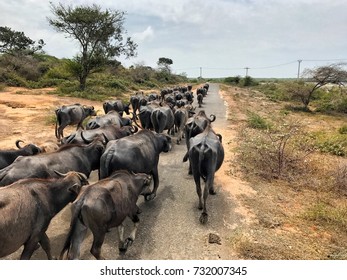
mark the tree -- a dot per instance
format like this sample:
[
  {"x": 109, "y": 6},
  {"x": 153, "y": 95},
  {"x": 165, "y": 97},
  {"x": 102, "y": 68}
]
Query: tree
[
  {"x": 164, "y": 64},
  {"x": 315, "y": 79},
  {"x": 16, "y": 43},
  {"x": 99, "y": 33}
]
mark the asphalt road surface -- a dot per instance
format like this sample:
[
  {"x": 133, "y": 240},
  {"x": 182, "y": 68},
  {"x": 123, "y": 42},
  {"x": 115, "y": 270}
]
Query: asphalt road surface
[{"x": 169, "y": 225}]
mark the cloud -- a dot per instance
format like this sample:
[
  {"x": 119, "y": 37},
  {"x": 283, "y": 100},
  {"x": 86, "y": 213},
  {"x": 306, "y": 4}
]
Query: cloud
[{"x": 147, "y": 34}]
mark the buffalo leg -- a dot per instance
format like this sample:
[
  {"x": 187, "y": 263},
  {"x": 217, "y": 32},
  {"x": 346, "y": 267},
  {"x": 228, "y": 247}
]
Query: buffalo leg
[
  {"x": 98, "y": 240},
  {"x": 46, "y": 246},
  {"x": 129, "y": 241},
  {"x": 29, "y": 247},
  {"x": 60, "y": 131},
  {"x": 153, "y": 194},
  {"x": 198, "y": 188},
  {"x": 76, "y": 241},
  {"x": 204, "y": 215},
  {"x": 120, "y": 229}
]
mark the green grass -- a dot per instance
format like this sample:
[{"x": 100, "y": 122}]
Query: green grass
[{"x": 256, "y": 121}]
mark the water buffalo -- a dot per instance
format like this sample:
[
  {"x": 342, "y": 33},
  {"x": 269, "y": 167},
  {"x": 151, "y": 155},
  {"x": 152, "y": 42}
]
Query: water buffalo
[
  {"x": 27, "y": 208},
  {"x": 102, "y": 206},
  {"x": 116, "y": 105},
  {"x": 196, "y": 125},
  {"x": 180, "y": 119},
  {"x": 112, "y": 117},
  {"x": 162, "y": 118},
  {"x": 145, "y": 112},
  {"x": 8, "y": 156},
  {"x": 80, "y": 158},
  {"x": 200, "y": 99},
  {"x": 137, "y": 100},
  {"x": 110, "y": 132},
  {"x": 71, "y": 115},
  {"x": 206, "y": 155},
  {"x": 138, "y": 153}
]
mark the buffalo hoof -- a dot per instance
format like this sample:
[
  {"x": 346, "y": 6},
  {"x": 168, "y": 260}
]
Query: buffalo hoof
[
  {"x": 149, "y": 197},
  {"x": 203, "y": 218},
  {"x": 212, "y": 191},
  {"x": 128, "y": 242}
]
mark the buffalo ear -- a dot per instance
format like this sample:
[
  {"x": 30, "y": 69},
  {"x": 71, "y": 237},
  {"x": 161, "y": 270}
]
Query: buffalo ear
[{"x": 75, "y": 189}]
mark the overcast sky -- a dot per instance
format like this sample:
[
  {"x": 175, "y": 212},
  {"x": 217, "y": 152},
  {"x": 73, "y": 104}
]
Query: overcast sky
[{"x": 220, "y": 38}]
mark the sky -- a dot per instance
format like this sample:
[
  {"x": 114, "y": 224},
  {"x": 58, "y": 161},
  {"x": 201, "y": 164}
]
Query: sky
[{"x": 211, "y": 38}]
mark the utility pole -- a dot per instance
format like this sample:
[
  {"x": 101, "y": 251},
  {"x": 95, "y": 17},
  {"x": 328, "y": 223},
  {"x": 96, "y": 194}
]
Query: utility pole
[
  {"x": 200, "y": 72},
  {"x": 299, "y": 61},
  {"x": 246, "y": 71}
]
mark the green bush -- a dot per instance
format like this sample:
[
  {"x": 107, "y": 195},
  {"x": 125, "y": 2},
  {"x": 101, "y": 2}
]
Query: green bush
[
  {"x": 334, "y": 144},
  {"x": 274, "y": 91},
  {"x": 232, "y": 80},
  {"x": 256, "y": 121},
  {"x": 343, "y": 129},
  {"x": 12, "y": 79},
  {"x": 248, "y": 81}
]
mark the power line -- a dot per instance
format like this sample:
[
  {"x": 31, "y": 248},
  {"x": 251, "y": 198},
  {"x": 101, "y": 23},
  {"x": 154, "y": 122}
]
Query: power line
[{"x": 201, "y": 68}]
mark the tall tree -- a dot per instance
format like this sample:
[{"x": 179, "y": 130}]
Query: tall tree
[
  {"x": 164, "y": 64},
  {"x": 16, "y": 43},
  {"x": 316, "y": 78},
  {"x": 99, "y": 33}
]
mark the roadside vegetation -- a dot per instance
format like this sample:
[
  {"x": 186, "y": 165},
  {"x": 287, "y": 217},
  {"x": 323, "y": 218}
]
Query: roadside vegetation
[
  {"x": 294, "y": 155},
  {"x": 93, "y": 73}
]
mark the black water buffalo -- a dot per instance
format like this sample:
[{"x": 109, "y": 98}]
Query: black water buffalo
[
  {"x": 71, "y": 115},
  {"x": 162, "y": 118},
  {"x": 200, "y": 99},
  {"x": 112, "y": 117},
  {"x": 8, "y": 156},
  {"x": 145, "y": 112},
  {"x": 189, "y": 97},
  {"x": 79, "y": 158},
  {"x": 110, "y": 132},
  {"x": 102, "y": 206},
  {"x": 201, "y": 90},
  {"x": 206, "y": 155},
  {"x": 116, "y": 105},
  {"x": 196, "y": 125},
  {"x": 138, "y": 153},
  {"x": 27, "y": 208},
  {"x": 180, "y": 118},
  {"x": 137, "y": 100}
]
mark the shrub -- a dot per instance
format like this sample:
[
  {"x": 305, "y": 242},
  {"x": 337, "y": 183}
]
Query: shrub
[
  {"x": 343, "y": 129},
  {"x": 12, "y": 79},
  {"x": 331, "y": 143},
  {"x": 323, "y": 213},
  {"x": 277, "y": 153},
  {"x": 256, "y": 121},
  {"x": 232, "y": 80}
]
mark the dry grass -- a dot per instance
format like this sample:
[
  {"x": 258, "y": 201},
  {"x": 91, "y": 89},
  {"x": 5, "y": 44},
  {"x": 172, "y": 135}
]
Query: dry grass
[{"x": 301, "y": 214}]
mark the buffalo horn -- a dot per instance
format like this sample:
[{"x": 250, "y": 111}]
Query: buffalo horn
[
  {"x": 60, "y": 174},
  {"x": 84, "y": 139},
  {"x": 213, "y": 118},
  {"x": 134, "y": 129},
  {"x": 17, "y": 144}
]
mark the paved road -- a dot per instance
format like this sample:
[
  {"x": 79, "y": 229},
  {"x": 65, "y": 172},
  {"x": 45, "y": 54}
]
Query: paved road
[{"x": 169, "y": 227}]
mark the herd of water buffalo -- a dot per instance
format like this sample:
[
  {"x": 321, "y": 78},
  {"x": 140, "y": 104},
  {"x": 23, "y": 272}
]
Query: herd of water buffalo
[{"x": 36, "y": 185}]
